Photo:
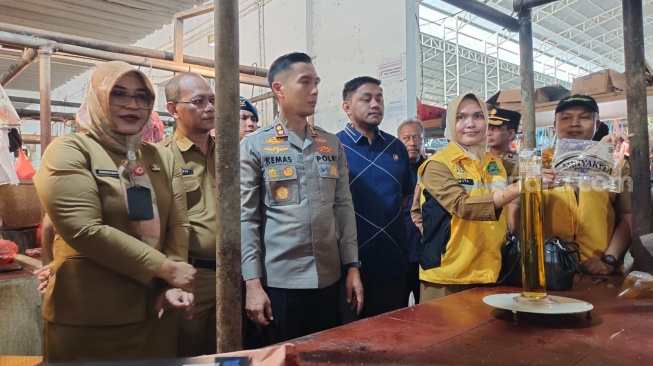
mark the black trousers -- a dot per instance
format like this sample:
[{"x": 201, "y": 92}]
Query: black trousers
[
  {"x": 300, "y": 312},
  {"x": 412, "y": 281},
  {"x": 380, "y": 296}
]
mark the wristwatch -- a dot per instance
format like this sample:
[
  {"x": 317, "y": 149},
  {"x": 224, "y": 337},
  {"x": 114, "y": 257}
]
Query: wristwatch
[
  {"x": 356, "y": 264},
  {"x": 611, "y": 260}
]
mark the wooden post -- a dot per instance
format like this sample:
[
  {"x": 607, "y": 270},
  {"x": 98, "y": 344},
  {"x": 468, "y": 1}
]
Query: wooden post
[
  {"x": 638, "y": 125},
  {"x": 227, "y": 191},
  {"x": 45, "y": 89}
]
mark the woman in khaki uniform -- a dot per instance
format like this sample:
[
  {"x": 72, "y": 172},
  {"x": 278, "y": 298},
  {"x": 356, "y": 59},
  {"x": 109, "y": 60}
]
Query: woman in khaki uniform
[
  {"x": 464, "y": 189},
  {"x": 118, "y": 207}
]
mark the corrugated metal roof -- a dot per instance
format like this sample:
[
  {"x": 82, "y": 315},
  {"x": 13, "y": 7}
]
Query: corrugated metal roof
[
  {"x": 586, "y": 34},
  {"x": 122, "y": 21}
]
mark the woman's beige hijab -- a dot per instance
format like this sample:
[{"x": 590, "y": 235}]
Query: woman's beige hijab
[
  {"x": 94, "y": 116},
  {"x": 476, "y": 152}
]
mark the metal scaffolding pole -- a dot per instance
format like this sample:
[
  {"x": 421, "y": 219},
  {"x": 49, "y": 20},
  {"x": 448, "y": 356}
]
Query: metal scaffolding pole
[
  {"x": 25, "y": 41},
  {"x": 486, "y": 12},
  {"x": 227, "y": 190},
  {"x": 261, "y": 97},
  {"x": 118, "y": 47},
  {"x": 178, "y": 40},
  {"x": 637, "y": 125},
  {"x": 17, "y": 67},
  {"x": 45, "y": 89},
  {"x": 527, "y": 77},
  {"x": 519, "y": 5}
]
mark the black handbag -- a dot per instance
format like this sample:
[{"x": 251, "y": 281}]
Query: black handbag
[
  {"x": 510, "y": 274},
  {"x": 561, "y": 262},
  {"x": 15, "y": 141}
]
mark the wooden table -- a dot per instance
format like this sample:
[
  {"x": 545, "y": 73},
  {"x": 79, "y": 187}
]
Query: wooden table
[{"x": 462, "y": 330}]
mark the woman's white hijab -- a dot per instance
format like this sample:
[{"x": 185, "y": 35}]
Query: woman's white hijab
[{"x": 477, "y": 151}]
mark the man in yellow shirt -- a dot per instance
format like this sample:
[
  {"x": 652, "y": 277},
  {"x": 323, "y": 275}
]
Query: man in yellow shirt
[
  {"x": 190, "y": 101},
  {"x": 599, "y": 221}
]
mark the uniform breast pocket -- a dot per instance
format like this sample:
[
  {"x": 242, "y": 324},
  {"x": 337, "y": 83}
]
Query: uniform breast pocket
[
  {"x": 282, "y": 185},
  {"x": 194, "y": 200},
  {"x": 328, "y": 177}
]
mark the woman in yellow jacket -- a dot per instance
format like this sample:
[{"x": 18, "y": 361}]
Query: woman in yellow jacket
[
  {"x": 118, "y": 207},
  {"x": 463, "y": 191}
]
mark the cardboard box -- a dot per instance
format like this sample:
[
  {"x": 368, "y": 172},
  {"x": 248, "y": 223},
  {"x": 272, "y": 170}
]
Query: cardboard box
[
  {"x": 511, "y": 99},
  {"x": 507, "y": 99},
  {"x": 551, "y": 93},
  {"x": 606, "y": 81}
]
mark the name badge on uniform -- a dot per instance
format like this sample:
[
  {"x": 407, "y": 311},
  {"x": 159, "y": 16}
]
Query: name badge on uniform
[
  {"x": 187, "y": 172},
  {"x": 106, "y": 173},
  {"x": 139, "y": 203},
  {"x": 469, "y": 182}
]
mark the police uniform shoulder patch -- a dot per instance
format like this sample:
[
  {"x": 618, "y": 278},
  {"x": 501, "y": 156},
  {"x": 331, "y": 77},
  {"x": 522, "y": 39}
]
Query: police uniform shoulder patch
[
  {"x": 320, "y": 139},
  {"x": 273, "y": 173},
  {"x": 457, "y": 169},
  {"x": 273, "y": 140},
  {"x": 288, "y": 172},
  {"x": 280, "y": 130},
  {"x": 313, "y": 131},
  {"x": 275, "y": 150},
  {"x": 493, "y": 168},
  {"x": 333, "y": 171},
  {"x": 324, "y": 149},
  {"x": 282, "y": 193}
]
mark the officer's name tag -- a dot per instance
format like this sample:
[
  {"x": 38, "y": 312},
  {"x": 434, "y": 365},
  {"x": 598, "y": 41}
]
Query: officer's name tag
[
  {"x": 187, "y": 172},
  {"x": 469, "y": 182},
  {"x": 106, "y": 173},
  {"x": 278, "y": 159},
  {"x": 139, "y": 203}
]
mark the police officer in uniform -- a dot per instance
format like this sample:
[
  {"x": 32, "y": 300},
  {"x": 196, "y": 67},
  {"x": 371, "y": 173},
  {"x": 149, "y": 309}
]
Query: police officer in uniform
[
  {"x": 503, "y": 125},
  {"x": 248, "y": 118},
  {"x": 298, "y": 228}
]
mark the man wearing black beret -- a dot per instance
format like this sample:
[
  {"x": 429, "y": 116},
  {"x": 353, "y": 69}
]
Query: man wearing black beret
[{"x": 248, "y": 117}]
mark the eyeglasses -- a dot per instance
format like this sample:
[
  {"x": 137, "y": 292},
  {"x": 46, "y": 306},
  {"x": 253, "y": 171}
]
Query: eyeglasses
[
  {"x": 416, "y": 139},
  {"x": 122, "y": 99},
  {"x": 199, "y": 103}
]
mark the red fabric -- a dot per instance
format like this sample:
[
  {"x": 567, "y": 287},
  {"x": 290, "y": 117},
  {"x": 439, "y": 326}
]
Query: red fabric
[
  {"x": 8, "y": 251},
  {"x": 427, "y": 112}
]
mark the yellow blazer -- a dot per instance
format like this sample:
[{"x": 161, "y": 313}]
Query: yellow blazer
[{"x": 102, "y": 274}]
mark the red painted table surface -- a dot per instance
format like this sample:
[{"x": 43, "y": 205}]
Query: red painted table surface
[{"x": 462, "y": 330}]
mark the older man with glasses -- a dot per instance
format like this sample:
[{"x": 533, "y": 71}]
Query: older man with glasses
[
  {"x": 411, "y": 133},
  {"x": 190, "y": 101}
]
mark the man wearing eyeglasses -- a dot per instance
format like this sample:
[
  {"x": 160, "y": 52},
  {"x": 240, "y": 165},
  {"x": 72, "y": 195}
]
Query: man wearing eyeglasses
[
  {"x": 380, "y": 182},
  {"x": 411, "y": 133},
  {"x": 190, "y": 101}
]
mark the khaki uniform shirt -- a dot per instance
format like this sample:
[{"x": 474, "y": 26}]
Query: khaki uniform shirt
[
  {"x": 511, "y": 156},
  {"x": 297, "y": 220},
  {"x": 198, "y": 173},
  {"x": 99, "y": 262}
]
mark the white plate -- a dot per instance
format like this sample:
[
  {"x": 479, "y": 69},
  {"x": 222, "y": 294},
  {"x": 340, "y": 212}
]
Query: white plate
[{"x": 556, "y": 305}]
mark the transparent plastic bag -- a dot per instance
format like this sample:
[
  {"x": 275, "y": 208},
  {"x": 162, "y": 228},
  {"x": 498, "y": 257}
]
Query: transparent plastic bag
[
  {"x": 637, "y": 285},
  {"x": 8, "y": 118},
  {"x": 8, "y": 115},
  {"x": 588, "y": 165}
]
